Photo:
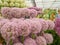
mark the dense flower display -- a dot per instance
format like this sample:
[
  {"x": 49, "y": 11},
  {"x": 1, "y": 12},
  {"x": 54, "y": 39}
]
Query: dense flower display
[
  {"x": 18, "y": 12},
  {"x": 13, "y": 29}
]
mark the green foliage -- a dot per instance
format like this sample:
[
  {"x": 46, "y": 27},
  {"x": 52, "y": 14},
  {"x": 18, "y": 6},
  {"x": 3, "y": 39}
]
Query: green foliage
[{"x": 55, "y": 36}]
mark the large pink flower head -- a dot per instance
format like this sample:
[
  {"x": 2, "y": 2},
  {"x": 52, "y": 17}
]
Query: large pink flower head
[
  {"x": 3, "y": 21},
  {"x": 29, "y": 41},
  {"x": 6, "y": 12},
  {"x": 48, "y": 37},
  {"x": 33, "y": 13},
  {"x": 25, "y": 12},
  {"x": 24, "y": 28},
  {"x": 9, "y": 30},
  {"x": 18, "y": 43},
  {"x": 41, "y": 40},
  {"x": 44, "y": 24},
  {"x": 16, "y": 12},
  {"x": 35, "y": 26},
  {"x": 51, "y": 24}
]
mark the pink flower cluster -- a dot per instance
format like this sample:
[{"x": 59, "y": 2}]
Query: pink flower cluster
[
  {"x": 14, "y": 28},
  {"x": 57, "y": 26},
  {"x": 18, "y": 12},
  {"x": 39, "y": 10}
]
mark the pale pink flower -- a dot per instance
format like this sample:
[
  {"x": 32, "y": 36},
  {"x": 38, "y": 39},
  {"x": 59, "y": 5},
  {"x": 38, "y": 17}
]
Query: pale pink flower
[
  {"x": 6, "y": 12},
  {"x": 41, "y": 40},
  {"x": 51, "y": 24},
  {"x": 48, "y": 37},
  {"x": 44, "y": 24},
  {"x": 18, "y": 43},
  {"x": 33, "y": 13},
  {"x": 29, "y": 41}
]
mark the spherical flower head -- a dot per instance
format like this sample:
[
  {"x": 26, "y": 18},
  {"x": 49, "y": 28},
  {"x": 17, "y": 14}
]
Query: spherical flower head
[
  {"x": 9, "y": 30},
  {"x": 24, "y": 28},
  {"x": 33, "y": 13},
  {"x": 6, "y": 12},
  {"x": 29, "y": 41},
  {"x": 35, "y": 26},
  {"x": 51, "y": 24},
  {"x": 41, "y": 40},
  {"x": 48, "y": 37},
  {"x": 44, "y": 24},
  {"x": 25, "y": 12},
  {"x": 18, "y": 43},
  {"x": 3, "y": 21},
  {"x": 16, "y": 12}
]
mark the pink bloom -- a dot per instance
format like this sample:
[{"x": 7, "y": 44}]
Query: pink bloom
[
  {"x": 6, "y": 12},
  {"x": 41, "y": 40},
  {"x": 51, "y": 24},
  {"x": 29, "y": 41},
  {"x": 48, "y": 37},
  {"x": 24, "y": 28},
  {"x": 35, "y": 26},
  {"x": 16, "y": 12},
  {"x": 25, "y": 12},
  {"x": 18, "y": 43},
  {"x": 3, "y": 21},
  {"x": 33, "y": 13},
  {"x": 57, "y": 26},
  {"x": 9, "y": 30},
  {"x": 57, "y": 22},
  {"x": 44, "y": 24}
]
